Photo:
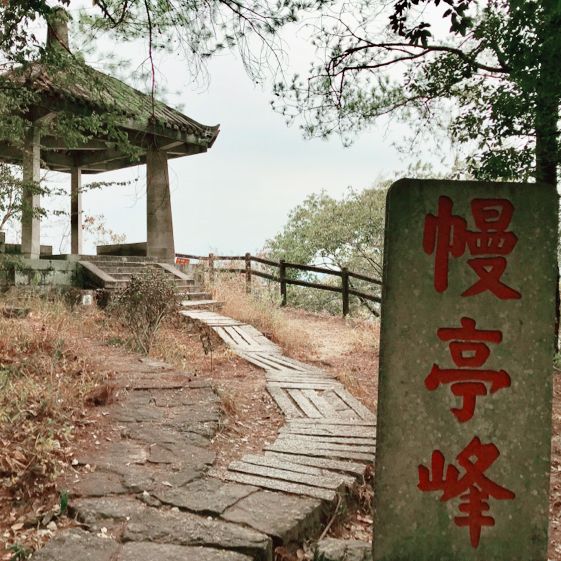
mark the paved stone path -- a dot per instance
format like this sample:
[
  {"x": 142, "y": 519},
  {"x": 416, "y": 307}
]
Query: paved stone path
[
  {"x": 329, "y": 434},
  {"x": 147, "y": 491},
  {"x": 331, "y": 549}
]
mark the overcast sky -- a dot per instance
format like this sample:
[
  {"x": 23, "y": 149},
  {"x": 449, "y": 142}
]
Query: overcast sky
[{"x": 239, "y": 193}]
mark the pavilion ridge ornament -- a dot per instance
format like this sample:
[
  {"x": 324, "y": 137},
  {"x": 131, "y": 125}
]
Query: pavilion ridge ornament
[{"x": 464, "y": 415}]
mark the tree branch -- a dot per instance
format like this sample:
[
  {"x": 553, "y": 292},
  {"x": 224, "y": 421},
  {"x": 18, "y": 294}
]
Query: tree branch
[{"x": 424, "y": 51}]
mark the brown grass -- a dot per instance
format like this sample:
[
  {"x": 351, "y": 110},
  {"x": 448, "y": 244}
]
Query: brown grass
[
  {"x": 45, "y": 378},
  {"x": 260, "y": 310},
  {"x": 347, "y": 348},
  {"x": 43, "y": 385}
]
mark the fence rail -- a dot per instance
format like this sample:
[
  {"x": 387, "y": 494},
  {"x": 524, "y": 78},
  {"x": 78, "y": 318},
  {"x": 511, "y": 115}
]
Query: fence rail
[{"x": 283, "y": 279}]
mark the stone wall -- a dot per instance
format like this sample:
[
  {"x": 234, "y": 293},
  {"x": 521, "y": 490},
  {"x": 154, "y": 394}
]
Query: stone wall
[{"x": 18, "y": 271}]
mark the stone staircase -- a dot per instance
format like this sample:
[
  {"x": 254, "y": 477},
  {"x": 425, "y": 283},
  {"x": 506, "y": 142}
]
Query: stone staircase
[{"x": 113, "y": 273}]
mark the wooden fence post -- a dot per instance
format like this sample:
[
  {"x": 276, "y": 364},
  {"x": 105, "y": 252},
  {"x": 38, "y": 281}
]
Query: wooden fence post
[
  {"x": 211, "y": 268},
  {"x": 345, "y": 288},
  {"x": 248, "y": 273},
  {"x": 282, "y": 279}
]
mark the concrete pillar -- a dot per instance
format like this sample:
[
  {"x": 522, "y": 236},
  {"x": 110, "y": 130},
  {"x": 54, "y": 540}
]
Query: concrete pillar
[
  {"x": 30, "y": 221},
  {"x": 158, "y": 207},
  {"x": 76, "y": 211}
]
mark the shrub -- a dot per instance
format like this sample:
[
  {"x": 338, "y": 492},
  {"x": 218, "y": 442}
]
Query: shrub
[{"x": 143, "y": 304}]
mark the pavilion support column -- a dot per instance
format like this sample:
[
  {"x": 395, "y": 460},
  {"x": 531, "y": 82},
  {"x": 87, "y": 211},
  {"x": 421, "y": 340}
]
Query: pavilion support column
[
  {"x": 158, "y": 207},
  {"x": 76, "y": 211},
  {"x": 30, "y": 221}
]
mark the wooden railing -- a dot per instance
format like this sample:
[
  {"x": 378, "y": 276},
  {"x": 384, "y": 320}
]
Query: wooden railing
[{"x": 345, "y": 289}]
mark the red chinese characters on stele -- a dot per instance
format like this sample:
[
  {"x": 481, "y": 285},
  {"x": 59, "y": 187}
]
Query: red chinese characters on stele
[
  {"x": 473, "y": 487},
  {"x": 446, "y": 235},
  {"x": 469, "y": 350}
]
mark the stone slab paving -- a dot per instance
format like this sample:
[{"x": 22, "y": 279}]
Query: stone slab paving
[
  {"x": 325, "y": 482},
  {"x": 289, "y": 465},
  {"x": 145, "y": 492},
  {"x": 185, "y": 528},
  {"x": 354, "y": 468},
  {"x": 271, "y": 482},
  {"x": 245, "y": 337},
  {"x": 331, "y": 549},
  {"x": 330, "y": 430},
  {"x": 326, "y": 424},
  {"x": 255, "y": 511},
  {"x": 149, "y": 491},
  {"x": 345, "y": 422},
  {"x": 147, "y": 551},
  {"x": 319, "y": 443},
  {"x": 79, "y": 545},
  {"x": 331, "y": 439},
  {"x": 299, "y": 449},
  {"x": 205, "y": 496}
]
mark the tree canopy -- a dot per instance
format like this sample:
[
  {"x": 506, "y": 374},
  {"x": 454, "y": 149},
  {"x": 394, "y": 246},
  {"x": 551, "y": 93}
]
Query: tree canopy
[
  {"x": 195, "y": 29},
  {"x": 335, "y": 233},
  {"x": 488, "y": 71}
]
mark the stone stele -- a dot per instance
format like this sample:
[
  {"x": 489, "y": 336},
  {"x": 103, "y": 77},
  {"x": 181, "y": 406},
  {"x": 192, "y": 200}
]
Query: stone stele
[{"x": 483, "y": 495}]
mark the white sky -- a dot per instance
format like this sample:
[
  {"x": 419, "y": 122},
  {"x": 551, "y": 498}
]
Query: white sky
[{"x": 238, "y": 194}]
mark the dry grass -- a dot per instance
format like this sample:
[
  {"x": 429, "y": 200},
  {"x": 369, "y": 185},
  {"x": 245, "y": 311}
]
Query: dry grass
[
  {"x": 189, "y": 346},
  {"x": 45, "y": 379},
  {"x": 347, "y": 348},
  {"x": 42, "y": 380},
  {"x": 357, "y": 367},
  {"x": 259, "y": 309}
]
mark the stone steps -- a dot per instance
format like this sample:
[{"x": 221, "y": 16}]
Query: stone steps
[
  {"x": 201, "y": 304},
  {"x": 128, "y": 270},
  {"x": 116, "y": 272},
  {"x": 111, "y": 259},
  {"x": 194, "y": 295}
]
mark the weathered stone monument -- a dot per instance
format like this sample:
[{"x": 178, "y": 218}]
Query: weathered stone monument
[{"x": 464, "y": 412}]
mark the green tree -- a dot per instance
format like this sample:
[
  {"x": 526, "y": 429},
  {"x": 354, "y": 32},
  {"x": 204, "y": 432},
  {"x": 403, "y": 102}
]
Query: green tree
[
  {"x": 12, "y": 204},
  {"x": 196, "y": 29},
  {"x": 335, "y": 233},
  {"x": 492, "y": 78}
]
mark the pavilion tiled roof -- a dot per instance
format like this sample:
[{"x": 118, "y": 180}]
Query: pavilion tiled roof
[
  {"x": 63, "y": 83},
  {"x": 77, "y": 82}
]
